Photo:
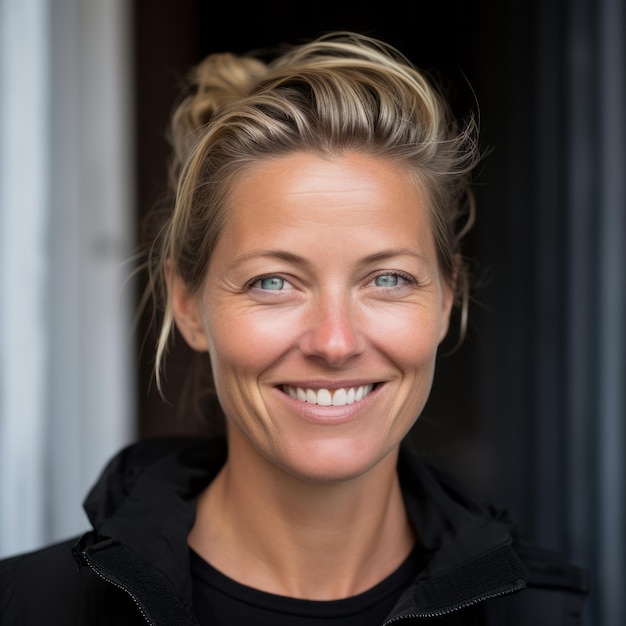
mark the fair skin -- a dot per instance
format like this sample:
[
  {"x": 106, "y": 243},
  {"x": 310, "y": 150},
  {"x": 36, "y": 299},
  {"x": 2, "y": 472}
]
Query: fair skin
[{"x": 322, "y": 311}]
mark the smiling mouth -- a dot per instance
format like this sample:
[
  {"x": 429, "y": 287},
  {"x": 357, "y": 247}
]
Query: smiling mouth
[{"x": 329, "y": 397}]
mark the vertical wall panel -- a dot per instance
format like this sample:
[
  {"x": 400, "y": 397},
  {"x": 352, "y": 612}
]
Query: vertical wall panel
[
  {"x": 24, "y": 208},
  {"x": 66, "y": 229},
  {"x": 611, "y": 209}
]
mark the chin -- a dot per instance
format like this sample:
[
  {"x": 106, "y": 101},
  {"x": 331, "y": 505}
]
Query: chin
[{"x": 332, "y": 462}]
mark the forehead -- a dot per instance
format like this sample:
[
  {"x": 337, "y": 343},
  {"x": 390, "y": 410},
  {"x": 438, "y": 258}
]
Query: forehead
[{"x": 346, "y": 196}]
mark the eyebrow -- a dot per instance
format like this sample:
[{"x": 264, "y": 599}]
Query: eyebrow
[
  {"x": 383, "y": 255},
  {"x": 296, "y": 259},
  {"x": 282, "y": 255}
]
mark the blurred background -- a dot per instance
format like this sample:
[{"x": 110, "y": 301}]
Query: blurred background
[{"x": 530, "y": 410}]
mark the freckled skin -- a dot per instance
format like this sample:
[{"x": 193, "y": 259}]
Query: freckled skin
[{"x": 324, "y": 230}]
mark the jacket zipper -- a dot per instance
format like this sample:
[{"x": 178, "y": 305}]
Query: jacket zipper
[
  {"x": 440, "y": 613},
  {"x": 460, "y": 607},
  {"x": 110, "y": 581}
]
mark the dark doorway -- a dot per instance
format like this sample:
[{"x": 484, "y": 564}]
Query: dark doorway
[{"x": 442, "y": 38}]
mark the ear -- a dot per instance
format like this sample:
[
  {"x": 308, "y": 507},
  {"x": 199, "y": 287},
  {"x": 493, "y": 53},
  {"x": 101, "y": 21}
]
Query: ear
[
  {"x": 446, "y": 309},
  {"x": 448, "y": 294},
  {"x": 187, "y": 312}
]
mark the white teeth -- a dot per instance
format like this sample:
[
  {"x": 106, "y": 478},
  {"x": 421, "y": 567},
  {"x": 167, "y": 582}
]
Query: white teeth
[
  {"x": 340, "y": 397},
  {"x": 328, "y": 397},
  {"x": 324, "y": 398}
]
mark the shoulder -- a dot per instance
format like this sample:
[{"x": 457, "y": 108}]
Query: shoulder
[
  {"x": 23, "y": 571},
  {"x": 556, "y": 589},
  {"x": 556, "y": 592},
  {"x": 46, "y": 586},
  {"x": 42, "y": 578}
]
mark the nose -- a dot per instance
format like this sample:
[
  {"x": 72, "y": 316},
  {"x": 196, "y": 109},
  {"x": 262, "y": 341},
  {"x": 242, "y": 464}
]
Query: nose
[{"x": 332, "y": 332}]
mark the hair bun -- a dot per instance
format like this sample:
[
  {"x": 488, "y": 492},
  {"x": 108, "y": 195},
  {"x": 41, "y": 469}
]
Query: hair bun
[{"x": 218, "y": 79}]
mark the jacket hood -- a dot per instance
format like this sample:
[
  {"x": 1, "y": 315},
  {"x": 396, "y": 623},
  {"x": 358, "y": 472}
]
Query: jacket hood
[
  {"x": 469, "y": 542},
  {"x": 145, "y": 499},
  {"x": 142, "y": 509}
]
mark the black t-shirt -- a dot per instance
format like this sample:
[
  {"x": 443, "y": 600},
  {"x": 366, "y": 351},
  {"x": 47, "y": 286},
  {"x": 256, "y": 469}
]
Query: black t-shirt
[{"x": 221, "y": 601}]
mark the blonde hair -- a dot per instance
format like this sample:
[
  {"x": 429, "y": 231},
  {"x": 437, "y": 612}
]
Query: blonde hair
[{"x": 341, "y": 92}]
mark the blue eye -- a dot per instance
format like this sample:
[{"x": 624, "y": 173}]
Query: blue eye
[
  {"x": 387, "y": 280},
  {"x": 272, "y": 283}
]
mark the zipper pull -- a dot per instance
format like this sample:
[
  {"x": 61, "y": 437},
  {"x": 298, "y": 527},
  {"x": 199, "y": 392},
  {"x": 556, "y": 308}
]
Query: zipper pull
[{"x": 79, "y": 556}]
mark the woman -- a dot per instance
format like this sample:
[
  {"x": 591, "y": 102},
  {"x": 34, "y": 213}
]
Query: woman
[{"x": 313, "y": 252}]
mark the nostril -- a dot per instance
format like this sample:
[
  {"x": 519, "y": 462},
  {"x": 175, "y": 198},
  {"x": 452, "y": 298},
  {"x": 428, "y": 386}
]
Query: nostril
[{"x": 334, "y": 345}]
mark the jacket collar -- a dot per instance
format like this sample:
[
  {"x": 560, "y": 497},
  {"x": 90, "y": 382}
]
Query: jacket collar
[
  {"x": 143, "y": 508},
  {"x": 468, "y": 542}
]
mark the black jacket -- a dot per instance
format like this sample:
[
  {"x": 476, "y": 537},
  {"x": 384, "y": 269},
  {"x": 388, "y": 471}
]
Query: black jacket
[{"x": 133, "y": 568}]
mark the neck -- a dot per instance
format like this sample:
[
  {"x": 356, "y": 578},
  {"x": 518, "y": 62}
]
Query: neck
[{"x": 321, "y": 541}]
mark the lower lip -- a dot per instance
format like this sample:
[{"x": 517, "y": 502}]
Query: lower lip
[{"x": 329, "y": 415}]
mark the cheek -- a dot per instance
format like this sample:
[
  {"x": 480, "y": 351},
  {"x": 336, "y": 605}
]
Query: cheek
[
  {"x": 409, "y": 336},
  {"x": 248, "y": 341}
]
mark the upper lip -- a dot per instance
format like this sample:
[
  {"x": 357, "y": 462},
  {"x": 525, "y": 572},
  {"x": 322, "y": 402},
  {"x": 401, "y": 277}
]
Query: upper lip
[{"x": 330, "y": 384}]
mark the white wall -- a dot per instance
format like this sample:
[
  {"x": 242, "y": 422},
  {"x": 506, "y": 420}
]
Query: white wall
[{"x": 66, "y": 228}]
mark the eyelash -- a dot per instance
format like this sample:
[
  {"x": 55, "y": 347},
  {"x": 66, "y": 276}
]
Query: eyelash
[
  {"x": 403, "y": 275},
  {"x": 257, "y": 279}
]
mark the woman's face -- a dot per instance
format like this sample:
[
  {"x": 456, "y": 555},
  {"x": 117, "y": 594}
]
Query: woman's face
[{"x": 322, "y": 312}]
